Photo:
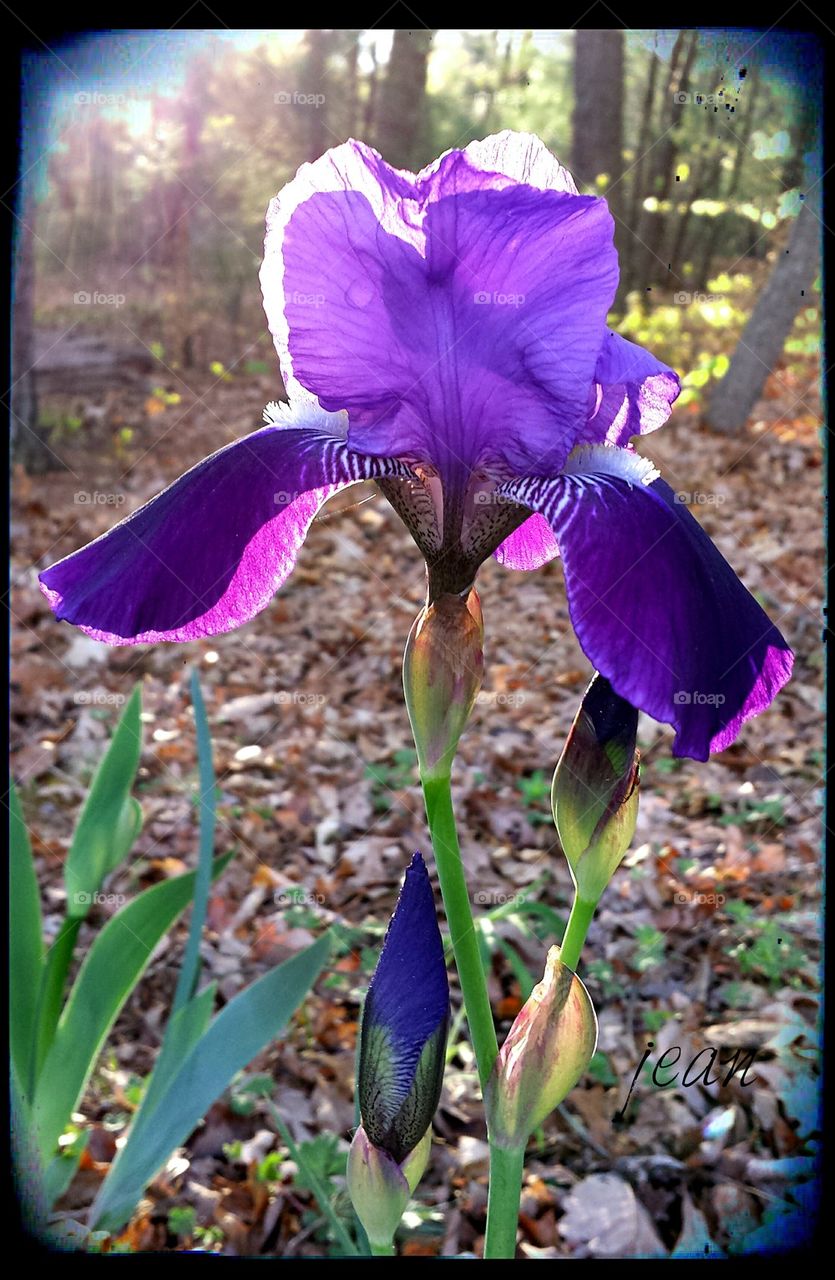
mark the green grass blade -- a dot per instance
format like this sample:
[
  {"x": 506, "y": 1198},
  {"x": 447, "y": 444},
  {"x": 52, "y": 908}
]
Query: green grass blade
[
  {"x": 26, "y": 951},
  {"x": 237, "y": 1034},
  {"x": 111, "y": 969},
  {"x": 190, "y": 971},
  {"x": 62, "y": 1169},
  {"x": 108, "y": 824},
  {"x": 183, "y": 1031},
  {"x": 50, "y": 996},
  {"x": 313, "y": 1180}
]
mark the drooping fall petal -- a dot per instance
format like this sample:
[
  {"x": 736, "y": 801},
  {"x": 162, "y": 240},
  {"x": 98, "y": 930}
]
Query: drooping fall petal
[
  {"x": 209, "y": 552},
  {"x": 656, "y": 607}
]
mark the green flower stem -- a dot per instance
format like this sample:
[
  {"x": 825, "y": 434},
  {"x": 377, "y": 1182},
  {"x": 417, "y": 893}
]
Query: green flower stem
[
  {"x": 507, "y": 1166},
  {"x": 382, "y": 1250},
  {"x": 576, "y": 930},
  {"x": 437, "y": 794}
]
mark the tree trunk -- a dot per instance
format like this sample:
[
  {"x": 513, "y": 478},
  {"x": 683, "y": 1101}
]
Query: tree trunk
[
  {"x": 642, "y": 163},
  {"x": 369, "y": 119},
  {"x": 668, "y": 162},
  {"x": 29, "y": 448},
  {"x": 192, "y": 114},
  {"x": 352, "y": 83},
  {"x": 314, "y": 103},
  {"x": 597, "y": 122},
  {"x": 400, "y": 119},
  {"x": 662, "y": 161},
  {"x": 765, "y": 334}
]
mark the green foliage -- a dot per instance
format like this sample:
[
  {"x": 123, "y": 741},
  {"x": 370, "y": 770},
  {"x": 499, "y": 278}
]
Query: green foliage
[
  {"x": 324, "y": 1158},
  {"x": 390, "y": 776},
  {"x": 769, "y": 811},
  {"x": 766, "y": 947},
  {"x": 649, "y": 948},
  {"x": 321, "y": 1165},
  {"x": 111, "y": 819},
  {"x": 204, "y": 1065},
  {"x": 667, "y": 764},
  {"x": 107, "y": 828},
  {"x": 600, "y": 1070},
  {"x": 602, "y": 973},
  {"x": 199, "y": 1056},
  {"x": 245, "y": 1094},
  {"x": 654, "y": 1019},
  {"x": 182, "y": 1219},
  {"x": 110, "y": 971},
  {"x": 26, "y": 958},
  {"x": 535, "y": 790}
]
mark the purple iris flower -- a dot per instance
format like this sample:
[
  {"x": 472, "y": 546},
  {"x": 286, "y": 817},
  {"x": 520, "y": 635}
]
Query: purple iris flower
[
  {"x": 445, "y": 334},
  {"x": 404, "y": 1023}
]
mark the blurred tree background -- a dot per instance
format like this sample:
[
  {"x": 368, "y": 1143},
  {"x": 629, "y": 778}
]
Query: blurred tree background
[{"x": 153, "y": 182}]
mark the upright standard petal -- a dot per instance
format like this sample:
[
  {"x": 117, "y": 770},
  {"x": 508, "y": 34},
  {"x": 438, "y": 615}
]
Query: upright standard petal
[
  {"x": 457, "y": 315},
  {"x": 633, "y": 393},
  {"x": 404, "y": 1023},
  {"x": 656, "y": 608},
  {"x": 209, "y": 552}
]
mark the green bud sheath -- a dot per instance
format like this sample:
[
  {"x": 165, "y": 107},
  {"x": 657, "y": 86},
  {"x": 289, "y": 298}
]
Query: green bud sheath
[
  {"x": 442, "y": 672},
  {"x": 594, "y": 795},
  {"x": 546, "y": 1051},
  {"x": 378, "y": 1189}
]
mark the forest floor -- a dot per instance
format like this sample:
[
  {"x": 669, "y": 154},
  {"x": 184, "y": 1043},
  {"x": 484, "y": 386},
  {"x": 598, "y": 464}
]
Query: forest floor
[{"x": 706, "y": 939}]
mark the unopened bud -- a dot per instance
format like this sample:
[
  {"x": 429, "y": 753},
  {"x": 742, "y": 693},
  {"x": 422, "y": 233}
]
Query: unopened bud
[
  {"x": 546, "y": 1051},
  {"x": 404, "y": 1024},
  {"x": 442, "y": 671},
  {"x": 594, "y": 795}
]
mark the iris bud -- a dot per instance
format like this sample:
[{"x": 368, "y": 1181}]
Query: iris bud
[
  {"x": 404, "y": 1023},
  {"x": 442, "y": 671},
  {"x": 594, "y": 795},
  {"x": 546, "y": 1051},
  {"x": 401, "y": 1060}
]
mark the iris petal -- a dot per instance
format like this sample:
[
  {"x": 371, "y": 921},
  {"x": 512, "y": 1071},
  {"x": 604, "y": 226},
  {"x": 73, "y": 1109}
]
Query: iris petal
[
  {"x": 633, "y": 393},
  {"x": 209, "y": 552},
  {"x": 656, "y": 607},
  {"x": 457, "y": 315},
  {"x": 530, "y": 546}
]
